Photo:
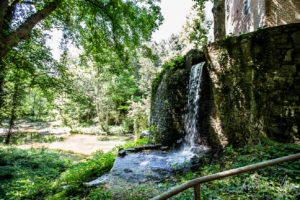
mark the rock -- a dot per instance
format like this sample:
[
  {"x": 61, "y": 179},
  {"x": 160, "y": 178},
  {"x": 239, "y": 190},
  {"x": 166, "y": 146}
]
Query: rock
[
  {"x": 98, "y": 181},
  {"x": 145, "y": 134},
  {"x": 131, "y": 150},
  {"x": 251, "y": 87},
  {"x": 147, "y": 166},
  {"x": 164, "y": 148},
  {"x": 152, "y": 147},
  {"x": 127, "y": 170},
  {"x": 122, "y": 153}
]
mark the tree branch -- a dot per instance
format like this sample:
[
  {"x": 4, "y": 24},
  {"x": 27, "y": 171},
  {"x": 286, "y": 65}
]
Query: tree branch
[
  {"x": 10, "y": 12},
  {"x": 24, "y": 30}
]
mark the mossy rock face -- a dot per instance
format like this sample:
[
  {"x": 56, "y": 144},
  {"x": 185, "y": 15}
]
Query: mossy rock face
[{"x": 169, "y": 98}]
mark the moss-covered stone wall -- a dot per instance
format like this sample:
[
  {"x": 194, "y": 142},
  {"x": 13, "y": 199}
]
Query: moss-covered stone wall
[
  {"x": 255, "y": 86},
  {"x": 169, "y": 97}
]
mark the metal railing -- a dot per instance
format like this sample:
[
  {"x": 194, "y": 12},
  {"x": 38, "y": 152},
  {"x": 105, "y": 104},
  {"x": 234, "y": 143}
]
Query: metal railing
[{"x": 196, "y": 182}]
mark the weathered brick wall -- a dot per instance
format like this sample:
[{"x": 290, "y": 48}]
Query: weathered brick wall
[
  {"x": 255, "y": 86},
  {"x": 262, "y": 13},
  {"x": 236, "y": 20},
  {"x": 281, "y": 12}
]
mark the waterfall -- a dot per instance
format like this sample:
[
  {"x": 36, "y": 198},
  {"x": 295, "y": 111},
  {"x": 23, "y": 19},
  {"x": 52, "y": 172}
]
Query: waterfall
[{"x": 192, "y": 108}]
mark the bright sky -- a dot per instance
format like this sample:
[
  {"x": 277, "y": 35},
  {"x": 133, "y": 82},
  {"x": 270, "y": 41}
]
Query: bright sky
[{"x": 174, "y": 12}]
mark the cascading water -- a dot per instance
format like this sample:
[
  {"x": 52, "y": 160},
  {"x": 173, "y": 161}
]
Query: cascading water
[
  {"x": 157, "y": 165},
  {"x": 192, "y": 108}
]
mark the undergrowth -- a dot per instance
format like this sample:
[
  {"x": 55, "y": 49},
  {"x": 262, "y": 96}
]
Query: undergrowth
[
  {"x": 276, "y": 182},
  {"x": 27, "y": 174},
  {"x": 40, "y": 174}
]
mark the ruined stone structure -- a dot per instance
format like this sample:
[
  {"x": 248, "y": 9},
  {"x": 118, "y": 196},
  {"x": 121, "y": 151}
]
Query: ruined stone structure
[
  {"x": 251, "y": 89},
  {"x": 243, "y": 16}
]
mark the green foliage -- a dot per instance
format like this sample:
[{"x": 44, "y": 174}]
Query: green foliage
[
  {"x": 99, "y": 164},
  {"x": 27, "y": 174},
  {"x": 276, "y": 182},
  {"x": 40, "y": 174},
  {"x": 173, "y": 64},
  {"x": 110, "y": 33},
  {"x": 99, "y": 194}
]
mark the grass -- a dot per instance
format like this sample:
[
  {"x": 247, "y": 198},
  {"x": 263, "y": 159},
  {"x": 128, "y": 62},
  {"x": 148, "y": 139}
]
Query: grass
[
  {"x": 27, "y": 174},
  {"x": 276, "y": 182},
  {"x": 41, "y": 174}
]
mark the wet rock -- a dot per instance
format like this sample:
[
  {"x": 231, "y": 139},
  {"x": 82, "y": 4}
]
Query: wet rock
[
  {"x": 152, "y": 147},
  {"x": 98, "y": 181},
  {"x": 127, "y": 170},
  {"x": 146, "y": 166},
  {"x": 131, "y": 150},
  {"x": 164, "y": 148},
  {"x": 145, "y": 134},
  {"x": 122, "y": 153}
]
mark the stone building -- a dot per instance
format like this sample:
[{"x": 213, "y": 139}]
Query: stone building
[{"x": 243, "y": 16}]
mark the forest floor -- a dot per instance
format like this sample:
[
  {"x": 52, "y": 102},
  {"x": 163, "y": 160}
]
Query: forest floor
[{"x": 50, "y": 135}]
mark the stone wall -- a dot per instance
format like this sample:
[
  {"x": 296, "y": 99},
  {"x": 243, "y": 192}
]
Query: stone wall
[
  {"x": 255, "y": 86},
  {"x": 280, "y": 12},
  {"x": 168, "y": 100}
]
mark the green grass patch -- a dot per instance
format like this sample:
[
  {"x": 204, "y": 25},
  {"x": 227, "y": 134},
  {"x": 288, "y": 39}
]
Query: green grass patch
[
  {"x": 42, "y": 174},
  {"x": 27, "y": 174},
  {"x": 276, "y": 182}
]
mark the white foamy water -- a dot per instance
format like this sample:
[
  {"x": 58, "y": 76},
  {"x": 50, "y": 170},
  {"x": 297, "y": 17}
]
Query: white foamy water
[{"x": 192, "y": 108}]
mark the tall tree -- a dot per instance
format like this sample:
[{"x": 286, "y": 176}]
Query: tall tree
[
  {"x": 219, "y": 19},
  {"x": 111, "y": 23}
]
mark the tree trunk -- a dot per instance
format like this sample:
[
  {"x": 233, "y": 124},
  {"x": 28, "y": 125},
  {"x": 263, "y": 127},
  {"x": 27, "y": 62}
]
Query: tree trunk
[
  {"x": 98, "y": 89},
  {"x": 10, "y": 39},
  {"x": 2, "y": 78},
  {"x": 33, "y": 105},
  {"x": 219, "y": 19},
  {"x": 13, "y": 113}
]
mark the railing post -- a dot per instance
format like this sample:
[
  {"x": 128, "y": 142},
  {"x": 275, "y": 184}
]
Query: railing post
[{"x": 197, "y": 195}]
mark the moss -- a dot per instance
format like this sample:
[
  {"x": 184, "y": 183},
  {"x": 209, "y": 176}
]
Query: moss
[{"x": 172, "y": 65}]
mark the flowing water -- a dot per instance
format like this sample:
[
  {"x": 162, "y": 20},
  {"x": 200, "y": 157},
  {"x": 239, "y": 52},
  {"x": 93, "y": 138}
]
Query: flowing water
[
  {"x": 192, "y": 108},
  {"x": 157, "y": 165}
]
